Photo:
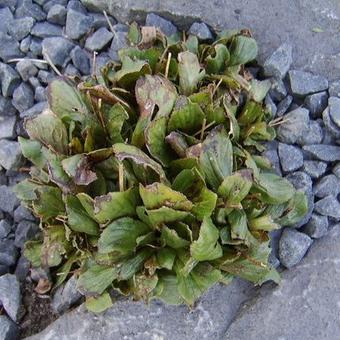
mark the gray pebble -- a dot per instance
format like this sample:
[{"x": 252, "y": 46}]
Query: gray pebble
[
  {"x": 80, "y": 60},
  {"x": 49, "y": 4},
  {"x": 10, "y": 79},
  {"x": 58, "y": 49},
  {"x": 21, "y": 213},
  {"x": 36, "y": 46},
  {"x": 334, "y": 110},
  {"x": 6, "y": 19},
  {"x": 98, "y": 40},
  {"x": 28, "y": 9},
  {"x": 23, "y": 97},
  {"x": 201, "y": 31},
  {"x": 304, "y": 83},
  {"x": 26, "y": 69},
  {"x": 76, "y": 5},
  {"x": 10, "y": 155},
  {"x": 7, "y": 127},
  {"x": 34, "y": 110},
  {"x": 316, "y": 103},
  {"x": 167, "y": 27},
  {"x": 99, "y": 21},
  {"x": 313, "y": 135},
  {"x": 10, "y": 295},
  {"x": 6, "y": 107},
  {"x": 45, "y": 77},
  {"x": 119, "y": 41},
  {"x": 328, "y": 206},
  {"x": 8, "y": 329},
  {"x": 25, "y": 231},
  {"x": 283, "y": 105},
  {"x": 278, "y": 64},
  {"x": 22, "y": 268},
  {"x": 314, "y": 169},
  {"x": 77, "y": 24},
  {"x": 328, "y": 185},
  {"x": 34, "y": 82},
  {"x": 8, "y": 253},
  {"x": 20, "y": 28},
  {"x": 57, "y": 14},
  {"x": 5, "y": 229},
  {"x": 278, "y": 90},
  {"x": 25, "y": 44},
  {"x": 291, "y": 157},
  {"x": 295, "y": 126},
  {"x": 71, "y": 71},
  {"x": 293, "y": 246},
  {"x": 9, "y": 48},
  {"x": 270, "y": 105},
  {"x": 40, "y": 94},
  {"x": 317, "y": 226},
  {"x": 326, "y": 153},
  {"x": 46, "y": 30},
  {"x": 330, "y": 125},
  {"x": 334, "y": 89}
]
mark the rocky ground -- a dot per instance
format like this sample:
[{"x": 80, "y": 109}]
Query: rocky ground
[{"x": 307, "y": 152}]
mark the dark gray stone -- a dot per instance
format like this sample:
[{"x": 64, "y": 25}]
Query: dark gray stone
[
  {"x": 328, "y": 206},
  {"x": 49, "y": 4},
  {"x": 46, "y": 30},
  {"x": 313, "y": 135},
  {"x": 25, "y": 44},
  {"x": 21, "y": 213},
  {"x": 278, "y": 64},
  {"x": 331, "y": 127},
  {"x": 45, "y": 77},
  {"x": 326, "y": 153},
  {"x": 270, "y": 105},
  {"x": 201, "y": 31},
  {"x": 316, "y": 103},
  {"x": 334, "y": 110},
  {"x": 96, "y": 5},
  {"x": 10, "y": 79},
  {"x": 295, "y": 125},
  {"x": 328, "y": 185},
  {"x": 66, "y": 296},
  {"x": 34, "y": 110},
  {"x": 25, "y": 231},
  {"x": 40, "y": 94},
  {"x": 80, "y": 60},
  {"x": 28, "y": 9},
  {"x": 293, "y": 246},
  {"x": 20, "y": 28},
  {"x": 8, "y": 253},
  {"x": 278, "y": 90},
  {"x": 76, "y": 5},
  {"x": 317, "y": 226},
  {"x": 10, "y": 296},
  {"x": 34, "y": 81},
  {"x": 314, "y": 169},
  {"x": 23, "y": 97},
  {"x": 5, "y": 229},
  {"x": 7, "y": 127},
  {"x": 57, "y": 14},
  {"x": 334, "y": 88},
  {"x": 336, "y": 170},
  {"x": 9, "y": 48},
  {"x": 166, "y": 26},
  {"x": 22, "y": 268},
  {"x": 98, "y": 40},
  {"x": 8, "y": 329},
  {"x": 291, "y": 157},
  {"x": 101, "y": 60},
  {"x": 70, "y": 70},
  {"x": 272, "y": 155},
  {"x": 6, "y": 107},
  {"x": 6, "y": 19},
  {"x": 99, "y": 21},
  {"x": 36, "y": 46},
  {"x": 10, "y": 155},
  {"x": 77, "y": 24},
  {"x": 119, "y": 41},
  {"x": 58, "y": 49},
  {"x": 26, "y": 69},
  {"x": 283, "y": 105},
  {"x": 304, "y": 83}
]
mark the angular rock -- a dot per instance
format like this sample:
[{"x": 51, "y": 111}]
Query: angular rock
[
  {"x": 10, "y": 296},
  {"x": 201, "y": 31},
  {"x": 278, "y": 64},
  {"x": 66, "y": 296},
  {"x": 278, "y": 90},
  {"x": 314, "y": 169},
  {"x": 9, "y": 48},
  {"x": 36, "y": 46},
  {"x": 314, "y": 134},
  {"x": 10, "y": 155},
  {"x": 272, "y": 155},
  {"x": 40, "y": 94},
  {"x": 28, "y": 9},
  {"x": 23, "y": 97},
  {"x": 317, "y": 226},
  {"x": 295, "y": 126},
  {"x": 8, "y": 329},
  {"x": 22, "y": 268},
  {"x": 98, "y": 40},
  {"x": 336, "y": 170},
  {"x": 283, "y": 105},
  {"x": 45, "y": 77},
  {"x": 5, "y": 229},
  {"x": 334, "y": 88},
  {"x": 330, "y": 125},
  {"x": 270, "y": 105},
  {"x": 22, "y": 213},
  {"x": 10, "y": 79},
  {"x": 328, "y": 206},
  {"x": 305, "y": 83},
  {"x": 328, "y": 185},
  {"x": 293, "y": 246},
  {"x": 57, "y": 14},
  {"x": 334, "y": 110},
  {"x": 96, "y": 5},
  {"x": 20, "y": 28},
  {"x": 326, "y": 153},
  {"x": 167, "y": 27},
  {"x": 316, "y": 103},
  {"x": 8, "y": 253},
  {"x": 7, "y": 127},
  {"x": 80, "y": 60},
  {"x": 119, "y": 41},
  {"x": 99, "y": 21},
  {"x": 70, "y": 70},
  {"x": 6, "y": 107},
  {"x": 46, "y": 30},
  {"x": 6, "y": 19},
  {"x": 76, "y": 5},
  {"x": 34, "y": 110},
  {"x": 291, "y": 157},
  {"x": 77, "y": 24},
  {"x": 58, "y": 49},
  {"x": 26, "y": 69},
  {"x": 25, "y": 231}
]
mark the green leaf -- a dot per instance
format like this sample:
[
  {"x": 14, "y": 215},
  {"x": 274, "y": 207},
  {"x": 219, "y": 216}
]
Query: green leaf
[
  {"x": 204, "y": 204},
  {"x": 32, "y": 252},
  {"x": 165, "y": 215},
  {"x": 31, "y": 150},
  {"x": 98, "y": 304},
  {"x": 186, "y": 116},
  {"x": 121, "y": 236},
  {"x": 238, "y": 225},
  {"x": 206, "y": 247},
  {"x": 252, "y": 112},
  {"x": 265, "y": 223},
  {"x": 114, "y": 121},
  {"x": 242, "y": 50},
  {"x": 190, "y": 72},
  {"x": 259, "y": 89},
  {"x": 218, "y": 61},
  {"x": 77, "y": 217},
  {"x": 216, "y": 159},
  {"x": 65, "y": 269},
  {"x": 166, "y": 258},
  {"x": 143, "y": 285},
  {"x": 25, "y": 190},
  {"x": 171, "y": 238},
  {"x": 151, "y": 55},
  {"x": 190, "y": 182},
  {"x": 49, "y": 130},
  {"x": 134, "y": 34},
  {"x": 167, "y": 290},
  {"x": 157, "y": 195},
  {"x": 191, "y": 44}
]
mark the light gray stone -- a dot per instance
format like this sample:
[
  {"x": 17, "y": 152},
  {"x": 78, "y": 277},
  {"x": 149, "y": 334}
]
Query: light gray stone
[
  {"x": 326, "y": 153},
  {"x": 8, "y": 329},
  {"x": 10, "y": 296},
  {"x": 36, "y": 46},
  {"x": 317, "y": 226},
  {"x": 6, "y": 19},
  {"x": 77, "y": 24},
  {"x": 316, "y": 103},
  {"x": 291, "y": 157},
  {"x": 8, "y": 253},
  {"x": 278, "y": 90},
  {"x": 334, "y": 88},
  {"x": 334, "y": 110},
  {"x": 57, "y": 14},
  {"x": 23, "y": 97},
  {"x": 25, "y": 231},
  {"x": 201, "y": 31},
  {"x": 278, "y": 64},
  {"x": 313, "y": 135},
  {"x": 119, "y": 41},
  {"x": 328, "y": 185},
  {"x": 58, "y": 49},
  {"x": 9, "y": 48},
  {"x": 283, "y": 105},
  {"x": 293, "y": 246},
  {"x": 22, "y": 213},
  {"x": 28, "y": 9},
  {"x": 6, "y": 107},
  {"x": 328, "y": 206},
  {"x": 166, "y": 26},
  {"x": 40, "y": 94},
  {"x": 331, "y": 127},
  {"x": 10, "y": 154},
  {"x": 98, "y": 40},
  {"x": 5, "y": 229},
  {"x": 10, "y": 79},
  {"x": 304, "y": 83},
  {"x": 7, "y": 127},
  {"x": 20, "y": 28},
  {"x": 46, "y": 29},
  {"x": 314, "y": 169},
  {"x": 26, "y": 69},
  {"x": 295, "y": 125},
  {"x": 76, "y": 5}
]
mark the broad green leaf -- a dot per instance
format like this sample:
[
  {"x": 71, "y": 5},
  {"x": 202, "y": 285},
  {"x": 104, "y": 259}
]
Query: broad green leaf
[
  {"x": 32, "y": 252},
  {"x": 190, "y": 72},
  {"x": 242, "y": 50},
  {"x": 77, "y": 217},
  {"x": 190, "y": 182},
  {"x": 204, "y": 204},
  {"x": 121, "y": 235},
  {"x": 265, "y": 223},
  {"x": 143, "y": 285},
  {"x": 191, "y": 44},
  {"x": 177, "y": 142},
  {"x": 165, "y": 215},
  {"x": 49, "y": 130},
  {"x": 216, "y": 159},
  {"x": 252, "y": 112},
  {"x": 217, "y": 62},
  {"x": 151, "y": 55},
  {"x": 134, "y": 34},
  {"x": 206, "y": 247},
  {"x": 31, "y": 149},
  {"x": 259, "y": 89},
  {"x": 114, "y": 121},
  {"x": 157, "y": 195},
  {"x": 96, "y": 279},
  {"x": 171, "y": 238},
  {"x": 166, "y": 258},
  {"x": 238, "y": 225},
  {"x": 98, "y": 304},
  {"x": 25, "y": 190},
  {"x": 65, "y": 269},
  {"x": 186, "y": 116},
  {"x": 167, "y": 290}
]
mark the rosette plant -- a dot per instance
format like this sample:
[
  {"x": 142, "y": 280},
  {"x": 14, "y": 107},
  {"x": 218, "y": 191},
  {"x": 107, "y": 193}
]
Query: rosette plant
[{"x": 149, "y": 179}]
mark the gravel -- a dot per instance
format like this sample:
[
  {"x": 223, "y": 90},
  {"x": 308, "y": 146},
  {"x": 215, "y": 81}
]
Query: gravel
[
  {"x": 8, "y": 253},
  {"x": 20, "y": 28},
  {"x": 8, "y": 329},
  {"x": 326, "y": 153},
  {"x": 10, "y": 296},
  {"x": 23, "y": 97},
  {"x": 304, "y": 83},
  {"x": 278, "y": 90},
  {"x": 10, "y": 79},
  {"x": 283, "y": 105},
  {"x": 46, "y": 29},
  {"x": 25, "y": 231},
  {"x": 317, "y": 226},
  {"x": 98, "y": 40},
  {"x": 77, "y": 24},
  {"x": 57, "y": 14},
  {"x": 26, "y": 69},
  {"x": 316, "y": 103},
  {"x": 201, "y": 31},
  {"x": 58, "y": 49},
  {"x": 327, "y": 185},
  {"x": 314, "y": 169},
  {"x": 21, "y": 213},
  {"x": 80, "y": 60},
  {"x": 328, "y": 206},
  {"x": 336, "y": 170},
  {"x": 5, "y": 229},
  {"x": 167, "y": 27},
  {"x": 313, "y": 135},
  {"x": 331, "y": 127},
  {"x": 9, "y": 48},
  {"x": 7, "y": 127},
  {"x": 334, "y": 110},
  {"x": 291, "y": 157},
  {"x": 10, "y": 155}
]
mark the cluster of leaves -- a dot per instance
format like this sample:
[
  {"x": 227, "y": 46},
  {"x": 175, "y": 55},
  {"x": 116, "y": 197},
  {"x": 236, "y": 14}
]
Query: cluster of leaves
[{"x": 148, "y": 179}]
